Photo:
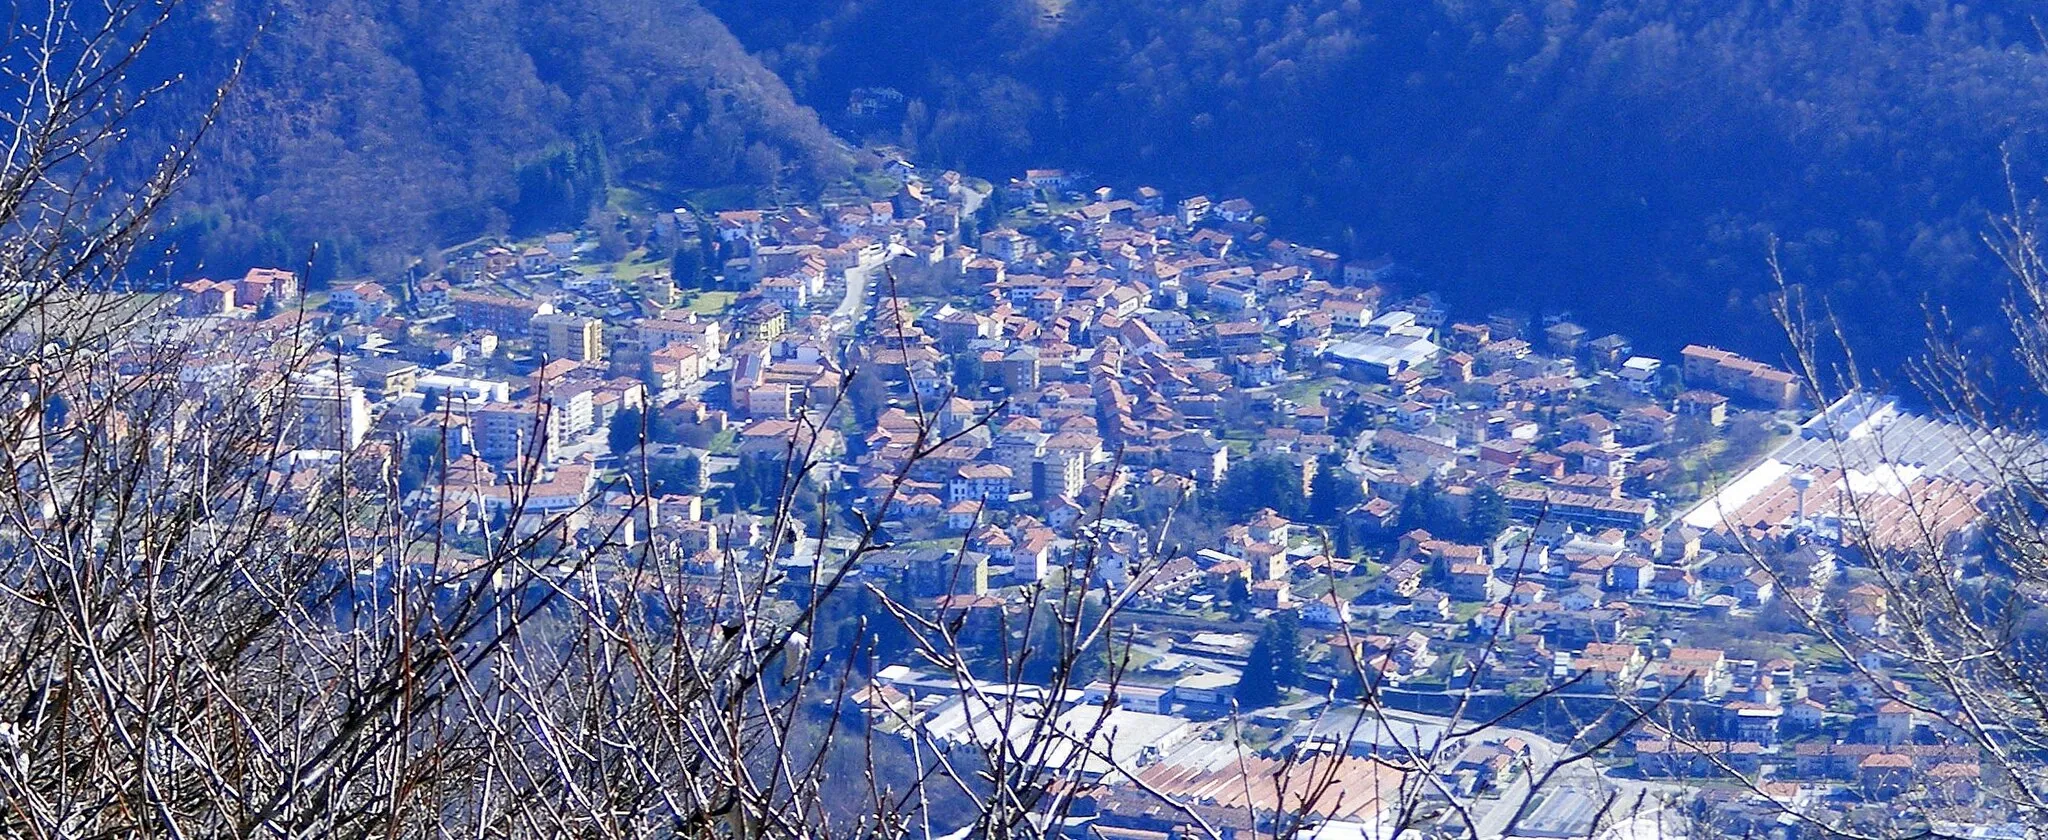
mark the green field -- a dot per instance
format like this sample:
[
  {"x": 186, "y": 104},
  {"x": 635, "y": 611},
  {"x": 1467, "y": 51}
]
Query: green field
[{"x": 710, "y": 303}]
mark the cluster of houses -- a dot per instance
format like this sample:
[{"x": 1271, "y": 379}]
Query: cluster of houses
[{"x": 1086, "y": 361}]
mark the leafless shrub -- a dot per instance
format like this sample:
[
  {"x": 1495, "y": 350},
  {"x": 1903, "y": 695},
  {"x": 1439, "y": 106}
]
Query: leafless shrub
[
  {"x": 1960, "y": 648},
  {"x": 208, "y": 631}
]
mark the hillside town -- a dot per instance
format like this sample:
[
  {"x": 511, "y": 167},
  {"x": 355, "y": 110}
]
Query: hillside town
[{"x": 1304, "y": 484}]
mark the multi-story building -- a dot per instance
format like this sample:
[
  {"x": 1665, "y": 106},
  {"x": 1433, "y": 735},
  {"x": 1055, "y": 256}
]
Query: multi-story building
[
  {"x": 1736, "y": 374},
  {"x": 332, "y": 415},
  {"x": 981, "y": 482},
  {"x": 206, "y": 297},
  {"x": 515, "y": 430},
  {"x": 790, "y": 292},
  {"x": 1059, "y": 474},
  {"x": 573, "y": 404},
  {"x": 501, "y": 315},
  {"x": 572, "y": 337},
  {"x": 261, "y": 284},
  {"x": 673, "y": 328},
  {"x": 764, "y": 322},
  {"x": 386, "y": 379},
  {"x": 679, "y": 366},
  {"x": 1535, "y": 503}
]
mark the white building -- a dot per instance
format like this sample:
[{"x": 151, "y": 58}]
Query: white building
[
  {"x": 332, "y": 415},
  {"x": 1640, "y": 372},
  {"x": 464, "y": 389}
]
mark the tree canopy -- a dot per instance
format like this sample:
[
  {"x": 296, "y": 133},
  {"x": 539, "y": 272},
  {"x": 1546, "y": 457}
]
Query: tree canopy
[
  {"x": 1274, "y": 662},
  {"x": 1618, "y": 159},
  {"x": 1261, "y": 482},
  {"x": 389, "y": 127}
]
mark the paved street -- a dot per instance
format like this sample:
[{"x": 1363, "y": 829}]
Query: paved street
[{"x": 853, "y": 305}]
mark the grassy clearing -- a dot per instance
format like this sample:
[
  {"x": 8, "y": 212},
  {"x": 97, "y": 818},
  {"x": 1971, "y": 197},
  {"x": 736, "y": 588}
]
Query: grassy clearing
[
  {"x": 876, "y": 184},
  {"x": 722, "y": 198},
  {"x": 630, "y": 200},
  {"x": 723, "y": 443},
  {"x": 1307, "y": 392},
  {"x": 710, "y": 303}
]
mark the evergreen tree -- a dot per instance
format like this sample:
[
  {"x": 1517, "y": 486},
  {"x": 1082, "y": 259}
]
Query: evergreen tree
[
  {"x": 869, "y": 396},
  {"x": 1240, "y": 594},
  {"x": 674, "y": 477},
  {"x": 693, "y": 470},
  {"x": 1048, "y": 642},
  {"x": 745, "y": 489},
  {"x": 686, "y": 265},
  {"x": 611, "y": 242},
  {"x": 423, "y": 463},
  {"x": 1257, "y": 688},
  {"x": 1240, "y": 591},
  {"x": 707, "y": 250},
  {"x": 1274, "y": 663},
  {"x": 1425, "y": 507},
  {"x": 624, "y": 432},
  {"x": 967, "y": 373},
  {"x": 1332, "y": 492},
  {"x": 759, "y": 484},
  {"x": 1351, "y": 420},
  {"x": 1262, "y": 482},
  {"x": 1489, "y": 514},
  {"x": 324, "y": 266},
  {"x": 560, "y": 185},
  {"x": 1287, "y": 665}
]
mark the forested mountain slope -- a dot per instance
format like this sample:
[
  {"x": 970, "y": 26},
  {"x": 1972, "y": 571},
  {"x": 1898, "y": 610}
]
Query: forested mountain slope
[
  {"x": 385, "y": 126},
  {"x": 1628, "y": 160}
]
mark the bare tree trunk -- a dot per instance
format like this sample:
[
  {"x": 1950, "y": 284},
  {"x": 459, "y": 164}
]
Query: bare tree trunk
[{"x": 205, "y": 633}]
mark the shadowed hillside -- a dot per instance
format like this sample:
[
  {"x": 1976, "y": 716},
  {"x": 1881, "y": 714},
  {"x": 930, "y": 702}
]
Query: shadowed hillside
[
  {"x": 1629, "y": 161},
  {"x": 382, "y": 126}
]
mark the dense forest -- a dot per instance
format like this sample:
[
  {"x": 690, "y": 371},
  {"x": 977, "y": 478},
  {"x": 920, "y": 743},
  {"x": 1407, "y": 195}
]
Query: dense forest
[
  {"x": 1629, "y": 161},
  {"x": 382, "y": 127}
]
